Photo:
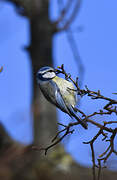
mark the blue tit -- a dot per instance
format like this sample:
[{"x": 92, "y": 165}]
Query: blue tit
[{"x": 59, "y": 92}]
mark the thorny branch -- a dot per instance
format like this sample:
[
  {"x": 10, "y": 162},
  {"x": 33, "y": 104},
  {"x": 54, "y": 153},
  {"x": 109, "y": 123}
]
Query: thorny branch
[{"x": 104, "y": 130}]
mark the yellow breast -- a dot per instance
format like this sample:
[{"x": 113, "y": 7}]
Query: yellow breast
[{"x": 66, "y": 89}]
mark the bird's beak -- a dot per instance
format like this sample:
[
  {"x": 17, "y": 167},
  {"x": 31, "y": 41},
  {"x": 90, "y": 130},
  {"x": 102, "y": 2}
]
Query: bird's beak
[{"x": 56, "y": 71}]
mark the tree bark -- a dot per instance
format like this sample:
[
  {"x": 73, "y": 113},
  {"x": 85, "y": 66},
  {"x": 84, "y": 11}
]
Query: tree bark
[{"x": 45, "y": 126}]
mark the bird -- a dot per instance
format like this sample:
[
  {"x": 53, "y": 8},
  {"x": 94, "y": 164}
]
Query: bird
[{"x": 58, "y": 91}]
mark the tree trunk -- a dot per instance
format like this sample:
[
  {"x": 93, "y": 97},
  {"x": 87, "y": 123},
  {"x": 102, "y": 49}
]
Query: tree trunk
[{"x": 45, "y": 126}]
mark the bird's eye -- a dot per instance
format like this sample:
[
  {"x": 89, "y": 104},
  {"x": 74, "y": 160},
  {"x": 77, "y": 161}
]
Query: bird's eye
[{"x": 51, "y": 71}]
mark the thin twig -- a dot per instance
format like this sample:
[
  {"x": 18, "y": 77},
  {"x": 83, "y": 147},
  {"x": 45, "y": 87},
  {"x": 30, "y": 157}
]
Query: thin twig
[{"x": 70, "y": 20}]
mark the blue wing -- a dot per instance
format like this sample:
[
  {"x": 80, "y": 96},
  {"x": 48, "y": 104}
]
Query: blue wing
[
  {"x": 68, "y": 109},
  {"x": 53, "y": 94},
  {"x": 55, "y": 97},
  {"x": 60, "y": 101}
]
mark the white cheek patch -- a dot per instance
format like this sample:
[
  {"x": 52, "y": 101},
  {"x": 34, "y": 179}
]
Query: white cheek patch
[{"x": 49, "y": 75}]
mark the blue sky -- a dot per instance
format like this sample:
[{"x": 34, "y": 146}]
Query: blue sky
[{"x": 97, "y": 44}]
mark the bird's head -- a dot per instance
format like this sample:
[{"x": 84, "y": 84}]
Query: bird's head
[{"x": 45, "y": 73}]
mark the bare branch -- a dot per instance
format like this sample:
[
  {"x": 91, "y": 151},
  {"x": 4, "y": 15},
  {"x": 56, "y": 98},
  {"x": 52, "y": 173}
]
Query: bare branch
[
  {"x": 64, "y": 11},
  {"x": 68, "y": 22},
  {"x": 76, "y": 54}
]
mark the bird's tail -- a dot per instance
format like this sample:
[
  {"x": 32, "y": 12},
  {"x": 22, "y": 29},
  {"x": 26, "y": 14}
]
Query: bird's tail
[
  {"x": 73, "y": 113},
  {"x": 83, "y": 123}
]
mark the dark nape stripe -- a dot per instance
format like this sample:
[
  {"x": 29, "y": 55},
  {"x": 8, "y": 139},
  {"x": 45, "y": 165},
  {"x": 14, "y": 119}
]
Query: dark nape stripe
[
  {"x": 41, "y": 78},
  {"x": 47, "y": 71}
]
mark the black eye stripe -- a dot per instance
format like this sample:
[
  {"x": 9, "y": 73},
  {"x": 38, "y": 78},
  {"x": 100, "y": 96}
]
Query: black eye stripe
[{"x": 47, "y": 72}]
